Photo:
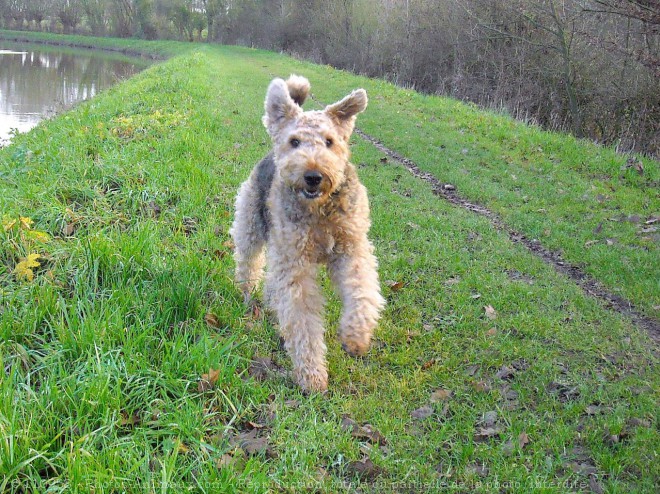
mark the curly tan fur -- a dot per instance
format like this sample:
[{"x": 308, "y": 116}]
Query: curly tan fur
[{"x": 304, "y": 204}]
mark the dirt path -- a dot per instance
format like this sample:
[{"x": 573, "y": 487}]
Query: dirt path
[{"x": 589, "y": 285}]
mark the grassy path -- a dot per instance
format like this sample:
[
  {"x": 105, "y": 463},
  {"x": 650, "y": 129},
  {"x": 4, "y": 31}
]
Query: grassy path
[{"x": 129, "y": 363}]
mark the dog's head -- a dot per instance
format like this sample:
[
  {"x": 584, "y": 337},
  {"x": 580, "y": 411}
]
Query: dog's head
[{"x": 311, "y": 148}]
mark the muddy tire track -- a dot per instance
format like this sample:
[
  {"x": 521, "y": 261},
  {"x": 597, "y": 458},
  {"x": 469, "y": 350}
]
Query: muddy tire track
[{"x": 590, "y": 286}]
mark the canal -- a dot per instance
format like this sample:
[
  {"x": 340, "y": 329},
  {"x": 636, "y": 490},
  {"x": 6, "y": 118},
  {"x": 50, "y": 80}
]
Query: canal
[{"x": 38, "y": 81}]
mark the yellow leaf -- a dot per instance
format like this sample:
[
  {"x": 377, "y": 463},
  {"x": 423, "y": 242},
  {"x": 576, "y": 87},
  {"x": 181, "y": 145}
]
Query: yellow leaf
[
  {"x": 23, "y": 269},
  {"x": 8, "y": 224},
  {"x": 39, "y": 236},
  {"x": 26, "y": 222}
]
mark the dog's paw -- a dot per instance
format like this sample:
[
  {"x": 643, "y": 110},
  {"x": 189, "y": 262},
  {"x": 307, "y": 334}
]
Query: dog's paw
[
  {"x": 356, "y": 348},
  {"x": 312, "y": 382}
]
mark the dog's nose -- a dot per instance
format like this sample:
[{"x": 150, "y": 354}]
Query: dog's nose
[{"x": 312, "y": 178}]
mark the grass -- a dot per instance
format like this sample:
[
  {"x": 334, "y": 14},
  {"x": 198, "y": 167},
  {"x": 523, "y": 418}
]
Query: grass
[{"x": 130, "y": 365}]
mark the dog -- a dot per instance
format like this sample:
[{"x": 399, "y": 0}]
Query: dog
[{"x": 303, "y": 206}]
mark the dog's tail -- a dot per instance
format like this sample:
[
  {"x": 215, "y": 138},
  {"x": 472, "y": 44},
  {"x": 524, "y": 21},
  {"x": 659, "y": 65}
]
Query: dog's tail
[{"x": 298, "y": 88}]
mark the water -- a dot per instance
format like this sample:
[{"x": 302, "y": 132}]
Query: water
[{"x": 37, "y": 81}]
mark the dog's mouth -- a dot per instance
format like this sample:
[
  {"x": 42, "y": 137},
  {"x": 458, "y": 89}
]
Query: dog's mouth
[{"x": 311, "y": 193}]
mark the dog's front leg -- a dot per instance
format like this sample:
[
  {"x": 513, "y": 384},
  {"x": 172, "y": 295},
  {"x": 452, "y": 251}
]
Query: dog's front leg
[
  {"x": 355, "y": 276},
  {"x": 294, "y": 295}
]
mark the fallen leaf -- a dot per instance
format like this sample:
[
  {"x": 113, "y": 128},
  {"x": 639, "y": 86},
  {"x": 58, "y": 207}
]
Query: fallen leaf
[
  {"x": 26, "y": 223},
  {"x": 440, "y": 395},
  {"x": 252, "y": 443},
  {"x": 505, "y": 373},
  {"x": 637, "y": 422},
  {"x": 129, "y": 420},
  {"x": 364, "y": 468},
  {"x": 582, "y": 468},
  {"x": 220, "y": 254},
  {"x": 292, "y": 403},
  {"x": 428, "y": 364},
  {"x": 481, "y": 386},
  {"x": 395, "y": 286},
  {"x": 23, "y": 269},
  {"x": 595, "y": 486},
  {"x": 208, "y": 381},
  {"x": 261, "y": 368},
  {"x": 598, "y": 228},
  {"x": 523, "y": 439},
  {"x": 422, "y": 413},
  {"x": 212, "y": 320},
  {"x": 8, "y": 224},
  {"x": 471, "y": 370},
  {"x": 508, "y": 448},
  {"x": 365, "y": 431},
  {"x": 224, "y": 461},
  {"x": 69, "y": 229},
  {"x": 491, "y": 332},
  {"x": 491, "y": 313},
  {"x": 485, "y": 433},
  {"x": 489, "y": 419}
]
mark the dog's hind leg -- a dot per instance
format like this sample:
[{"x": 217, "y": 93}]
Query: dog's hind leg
[{"x": 249, "y": 234}]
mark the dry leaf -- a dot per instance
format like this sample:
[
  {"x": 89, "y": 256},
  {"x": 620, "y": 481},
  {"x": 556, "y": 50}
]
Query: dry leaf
[
  {"x": 224, "y": 461},
  {"x": 481, "y": 386},
  {"x": 485, "y": 433},
  {"x": 491, "y": 313},
  {"x": 212, "y": 320},
  {"x": 422, "y": 413},
  {"x": 365, "y": 431},
  {"x": 490, "y": 418},
  {"x": 395, "y": 286},
  {"x": 129, "y": 420},
  {"x": 428, "y": 364},
  {"x": 505, "y": 373},
  {"x": 252, "y": 444},
  {"x": 440, "y": 395},
  {"x": 364, "y": 468},
  {"x": 523, "y": 439},
  {"x": 208, "y": 381}
]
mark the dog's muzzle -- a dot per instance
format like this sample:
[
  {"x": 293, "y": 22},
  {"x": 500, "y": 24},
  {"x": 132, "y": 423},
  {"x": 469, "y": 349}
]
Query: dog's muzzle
[{"x": 313, "y": 181}]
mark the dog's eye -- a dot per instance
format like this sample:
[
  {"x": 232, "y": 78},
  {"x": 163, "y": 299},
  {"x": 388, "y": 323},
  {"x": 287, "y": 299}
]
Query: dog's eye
[
  {"x": 294, "y": 143},
  {"x": 328, "y": 142}
]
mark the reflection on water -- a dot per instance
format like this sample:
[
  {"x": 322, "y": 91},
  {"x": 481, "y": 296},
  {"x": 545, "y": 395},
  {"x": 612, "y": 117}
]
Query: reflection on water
[{"x": 35, "y": 82}]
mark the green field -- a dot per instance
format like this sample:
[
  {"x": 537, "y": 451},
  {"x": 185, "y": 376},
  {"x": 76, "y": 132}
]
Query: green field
[{"x": 130, "y": 364}]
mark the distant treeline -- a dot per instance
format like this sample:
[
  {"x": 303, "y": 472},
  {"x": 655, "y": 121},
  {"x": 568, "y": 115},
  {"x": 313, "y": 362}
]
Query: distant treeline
[{"x": 591, "y": 67}]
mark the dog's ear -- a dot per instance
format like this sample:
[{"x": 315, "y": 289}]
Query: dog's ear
[
  {"x": 298, "y": 88},
  {"x": 280, "y": 107},
  {"x": 344, "y": 112}
]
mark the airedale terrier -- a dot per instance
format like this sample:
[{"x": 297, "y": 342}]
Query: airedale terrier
[{"x": 304, "y": 203}]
